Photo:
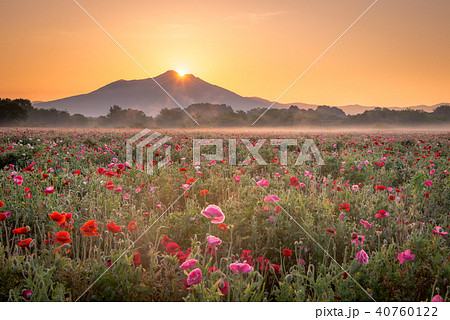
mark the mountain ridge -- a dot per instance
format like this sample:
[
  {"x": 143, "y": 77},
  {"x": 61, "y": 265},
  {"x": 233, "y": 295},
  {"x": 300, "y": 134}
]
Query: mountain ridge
[{"x": 146, "y": 95}]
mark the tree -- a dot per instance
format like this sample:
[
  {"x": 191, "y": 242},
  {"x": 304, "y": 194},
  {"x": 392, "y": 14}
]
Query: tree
[{"x": 12, "y": 111}]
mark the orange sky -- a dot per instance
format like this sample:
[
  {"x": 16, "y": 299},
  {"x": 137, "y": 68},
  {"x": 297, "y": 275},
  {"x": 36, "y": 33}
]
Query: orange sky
[{"x": 396, "y": 55}]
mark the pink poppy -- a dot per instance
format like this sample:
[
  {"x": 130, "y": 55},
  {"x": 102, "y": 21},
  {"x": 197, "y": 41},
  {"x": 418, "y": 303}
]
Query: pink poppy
[
  {"x": 188, "y": 264},
  {"x": 405, "y": 255},
  {"x": 237, "y": 179},
  {"x": 365, "y": 223},
  {"x": 437, "y": 298},
  {"x": 18, "y": 180},
  {"x": 126, "y": 196},
  {"x": 428, "y": 183},
  {"x": 241, "y": 267},
  {"x": 263, "y": 183},
  {"x": 362, "y": 257},
  {"x": 438, "y": 230},
  {"x": 194, "y": 277},
  {"x": 214, "y": 213},
  {"x": 272, "y": 198},
  {"x": 49, "y": 190},
  {"x": 214, "y": 241}
]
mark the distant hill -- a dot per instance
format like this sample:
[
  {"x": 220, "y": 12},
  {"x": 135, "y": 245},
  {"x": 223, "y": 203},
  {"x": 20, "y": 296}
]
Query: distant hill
[{"x": 147, "y": 96}]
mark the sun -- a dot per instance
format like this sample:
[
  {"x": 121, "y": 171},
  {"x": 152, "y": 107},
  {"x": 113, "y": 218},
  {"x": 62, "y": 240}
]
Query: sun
[{"x": 181, "y": 72}]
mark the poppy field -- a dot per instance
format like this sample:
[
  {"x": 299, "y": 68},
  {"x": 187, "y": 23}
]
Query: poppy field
[{"x": 80, "y": 223}]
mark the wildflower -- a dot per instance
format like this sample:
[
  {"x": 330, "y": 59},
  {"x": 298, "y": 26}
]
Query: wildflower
[
  {"x": 214, "y": 213},
  {"x": 166, "y": 240},
  {"x": 380, "y": 188},
  {"x": 358, "y": 240},
  {"x": 204, "y": 192},
  {"x": 329, "y": 230},
  {"x": 287, "y": 253},
  {"x": 194, "y": 277},
  {"x": 89, "y": 229},
  {"x": 132, "y": 226},
  {"x": 214, "y": 241},
  {"x": 25, "y": 243},
  {"x": 344, "y": 206},
  {"x": 276, "y": 268},
  {"x": 437, "y": 230},
  {"x": 18, "y": 180},
  {"x": 126, "y": 196},
  {"x": 188, "y": 264},
  {"x": 241, "y": 267},
  {"x": 301, "y": 261},
  {"x": 382, "y": 214},
  {"x": 137, "y": 257},
  {"x": 405, "y": 255},
  {"x": 113, "y": 228},
  {"x": 272, "y": 198},
  {"x": 223, "y": 287},
  {"x": 58, "y": 217},
  {"x": 21, "y": 230},
  {"x": 428, "y": 183},
  {"x": 355, "y": 187},
  {"x": 49, "y": 190},
  {"x": 362, "y": 257},
  {"x": 1, "y": 204},
  {"x": 172, "y": 248},
  {"x": 294, "y": 181},
  {"x": 212, "y": 269},
  {"x": 62, "y": 237},
  {"x": 237, "y": 179},
  {"x": 27, "y": 293},
  {"x": 437, "y": 298},
  {"x": 4, "y": 215},
  {"x": 365, "y": 223},
  {"x": 263, "y": 183}
]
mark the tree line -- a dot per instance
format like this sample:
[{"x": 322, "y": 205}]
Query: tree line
[{"x": 20, "y": 112}]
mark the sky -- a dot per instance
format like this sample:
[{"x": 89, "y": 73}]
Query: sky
[{"x": 396, "y": 55}]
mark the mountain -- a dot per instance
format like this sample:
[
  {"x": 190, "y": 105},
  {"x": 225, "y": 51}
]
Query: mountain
[{"x": 146, "y": 95}]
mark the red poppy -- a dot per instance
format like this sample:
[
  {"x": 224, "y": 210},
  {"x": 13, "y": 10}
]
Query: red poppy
[
  {"x": 329, "y": 230},
  {"x": 89, "y": 229},
  {"x": 58, "y": 217},
  {"x": 136, "y": 257},
  {"x": 222, "y": 227},
  {"x": 294, "y": 181},
  {"x": 212, "y": 269},
  {"x": 22, "y": 230},
  {"x": 391, "y": 197},
  {"x": 113, "y": 228},
  {"x": 223, "y": 287},
  {"x": 190, "y": 180},
  {"x": 25, "y": 243},
  {"x": 4, "y": 215},
  {"x": 62, "y": 237},
  {"x": 287, "y": 253},
  {"x": 27, "y": 293},
  {"x": 344, "y": 206},
  {"x": 172, "y": 248},
  {"x": 132, "y": 226},
  {"x": 204, "y": 192},
  {"x": 382, "y": 214},
  {"x": 166, "y": 240},
  {"x": 109, "y": 185},
  {"x": 380, "y": 188},
  {"x": 1, "y": 204},
  {"x": 276, "y": 267},
  {"x": 77, "y": 172},
  {"x": 183, "y": 169}
]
